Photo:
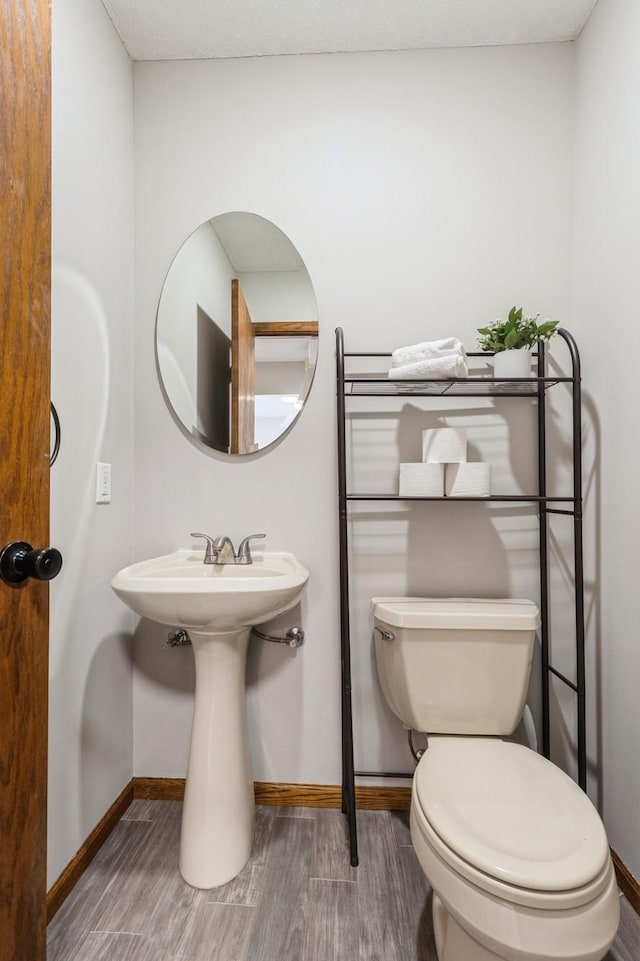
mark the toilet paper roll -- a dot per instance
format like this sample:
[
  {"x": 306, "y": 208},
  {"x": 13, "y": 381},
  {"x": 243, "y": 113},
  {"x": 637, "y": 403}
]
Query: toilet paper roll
[
  {"x": 444, "y": 445},
  {"x": 468, "y": 480},
  {"x": 421, "y": 480}
]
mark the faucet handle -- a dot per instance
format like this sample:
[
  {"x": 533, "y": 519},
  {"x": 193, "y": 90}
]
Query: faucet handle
[
  {"x": 244, "y": 553},
  {"x": 208, "y": 554}
]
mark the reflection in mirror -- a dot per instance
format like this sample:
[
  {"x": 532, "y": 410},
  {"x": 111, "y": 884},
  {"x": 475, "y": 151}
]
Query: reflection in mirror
[{"x": 236, "y": 334}]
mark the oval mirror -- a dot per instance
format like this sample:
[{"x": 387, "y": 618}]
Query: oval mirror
[{"x": 237, "y": 333}]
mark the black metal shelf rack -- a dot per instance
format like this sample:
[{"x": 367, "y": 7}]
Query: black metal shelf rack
[{"x": 351, "y": 385}]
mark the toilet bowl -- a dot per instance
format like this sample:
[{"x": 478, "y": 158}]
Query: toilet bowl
[{"x": 515, "y": 852}]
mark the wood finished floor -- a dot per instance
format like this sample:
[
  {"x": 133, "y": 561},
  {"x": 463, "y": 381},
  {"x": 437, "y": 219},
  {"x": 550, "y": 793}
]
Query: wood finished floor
[{"x": 297, "y": 899}]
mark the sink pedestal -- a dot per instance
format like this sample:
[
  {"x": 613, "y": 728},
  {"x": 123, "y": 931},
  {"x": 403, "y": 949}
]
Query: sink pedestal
[
  {"x": 219, "y": 807},
  {"x": 216, "y": 604}
]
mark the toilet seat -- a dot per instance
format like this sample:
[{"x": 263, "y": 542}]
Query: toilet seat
[{"x": 511, "y": 822}]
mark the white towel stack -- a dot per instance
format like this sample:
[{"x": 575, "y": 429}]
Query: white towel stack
[
  {"x": 431, "y": 360},
  {"x": 445, "y": 469}
]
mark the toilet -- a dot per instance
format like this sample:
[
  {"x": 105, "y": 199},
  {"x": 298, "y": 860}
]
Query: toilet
[{"x": 515, "y": 853}]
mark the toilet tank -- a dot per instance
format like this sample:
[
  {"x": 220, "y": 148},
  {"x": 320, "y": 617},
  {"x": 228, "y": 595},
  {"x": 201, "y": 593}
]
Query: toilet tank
[{"x": 455, "y": 665}]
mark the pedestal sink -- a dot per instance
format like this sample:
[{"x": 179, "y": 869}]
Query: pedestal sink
[{"x": 218, "y": 605}]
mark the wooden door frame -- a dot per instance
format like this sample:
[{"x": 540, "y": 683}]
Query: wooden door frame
[
  {"x": 243, "y": 374},
  {"x": 25, "y": 299}
]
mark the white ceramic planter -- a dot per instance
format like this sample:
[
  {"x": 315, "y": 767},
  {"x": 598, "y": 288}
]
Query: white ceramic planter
[{"x": 512, "y": 363}]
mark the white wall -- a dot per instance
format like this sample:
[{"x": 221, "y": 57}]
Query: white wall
[
  {"x": 278, "y": 295},
  {"x": 92, "y": 344},
  {"x": 606, "y": 298},
  {"x": 199, "y": 276},
  {"x": 426, "y": 192}
]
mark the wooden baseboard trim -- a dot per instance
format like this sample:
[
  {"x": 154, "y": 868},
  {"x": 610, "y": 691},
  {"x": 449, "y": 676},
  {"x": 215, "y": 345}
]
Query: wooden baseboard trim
[
  {"x": 62, "y": 888},
  {"x": 383, "y": 798},
  {"x": 629, "y": 885},
  {"x": 294, "y": 795},
  {"x": 330, "y": 796},
  {"x": 158, "y": 788}
]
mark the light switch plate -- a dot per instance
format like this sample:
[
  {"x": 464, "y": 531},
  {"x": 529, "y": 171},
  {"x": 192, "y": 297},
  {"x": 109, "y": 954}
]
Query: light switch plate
[{"x": 103, "y": 483}]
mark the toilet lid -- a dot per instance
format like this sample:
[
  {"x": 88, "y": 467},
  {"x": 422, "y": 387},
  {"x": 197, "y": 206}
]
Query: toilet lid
[{"x": 510, "y": 813}]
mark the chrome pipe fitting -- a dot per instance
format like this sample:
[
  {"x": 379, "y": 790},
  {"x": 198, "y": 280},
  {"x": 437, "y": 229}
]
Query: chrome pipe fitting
[
  {"x": 178, "y": 638},
  {"x": 293, "y": 638}
]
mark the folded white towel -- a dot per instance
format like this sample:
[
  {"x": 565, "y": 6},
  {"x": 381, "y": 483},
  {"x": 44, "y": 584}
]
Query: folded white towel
[
  {"x": 428, "y": 350},
  {"x": 438, "y": 368}
]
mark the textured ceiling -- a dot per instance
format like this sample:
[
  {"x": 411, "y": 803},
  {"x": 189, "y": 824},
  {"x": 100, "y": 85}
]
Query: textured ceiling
[{"x": 202, "y": 29}]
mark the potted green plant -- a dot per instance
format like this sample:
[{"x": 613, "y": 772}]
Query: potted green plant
[{"x": 511, "y": 341}]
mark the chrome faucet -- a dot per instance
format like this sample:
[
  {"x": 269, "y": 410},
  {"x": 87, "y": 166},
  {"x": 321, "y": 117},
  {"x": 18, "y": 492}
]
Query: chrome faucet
[
  {"x": 223, "y": 551},
  {"x": 220, "y": 550}
]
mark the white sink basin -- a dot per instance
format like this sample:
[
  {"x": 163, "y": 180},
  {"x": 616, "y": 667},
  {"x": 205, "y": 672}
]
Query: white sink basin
[
  {"x": 218, "y": 605},
  {"x": 181, "y": 591}
]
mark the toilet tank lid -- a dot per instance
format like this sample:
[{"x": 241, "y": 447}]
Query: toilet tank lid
[{"x": 456, "y": 613}]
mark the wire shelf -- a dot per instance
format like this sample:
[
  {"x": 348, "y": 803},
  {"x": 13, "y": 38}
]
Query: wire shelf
[
  {"x": 504, "y": 498},
  {"x": 367, "y": 385}
]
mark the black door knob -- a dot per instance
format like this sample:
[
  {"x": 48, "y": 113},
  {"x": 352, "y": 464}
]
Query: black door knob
[{"x": 19, "y": 560}]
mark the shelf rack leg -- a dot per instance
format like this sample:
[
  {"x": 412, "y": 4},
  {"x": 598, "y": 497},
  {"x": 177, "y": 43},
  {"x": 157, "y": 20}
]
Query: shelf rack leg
[
  {"x": 580, "y": 670},
  {"x": 544, "y": 554},
  {"x": 581, "y": 681},
  {"x": 581, "y": 733},
  {"x": 348, "y": 777}
]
